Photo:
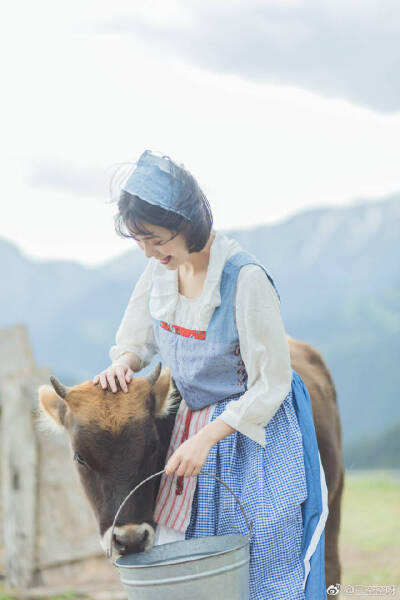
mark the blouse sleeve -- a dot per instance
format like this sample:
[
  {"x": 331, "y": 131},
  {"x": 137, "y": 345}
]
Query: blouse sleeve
[
  {"x": 265, "y": 352},
  {"x": 135, "y": 333}
]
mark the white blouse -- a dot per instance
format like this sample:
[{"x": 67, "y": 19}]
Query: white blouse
[{"x": 263, "y": 344}]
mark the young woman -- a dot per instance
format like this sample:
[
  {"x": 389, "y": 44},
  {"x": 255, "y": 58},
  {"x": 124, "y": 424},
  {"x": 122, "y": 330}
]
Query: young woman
[{"x": 211, "y": 310}]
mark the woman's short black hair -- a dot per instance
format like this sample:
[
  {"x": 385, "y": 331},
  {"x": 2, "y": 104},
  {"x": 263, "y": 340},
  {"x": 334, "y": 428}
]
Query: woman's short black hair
[{"x": 133, "y": 211}]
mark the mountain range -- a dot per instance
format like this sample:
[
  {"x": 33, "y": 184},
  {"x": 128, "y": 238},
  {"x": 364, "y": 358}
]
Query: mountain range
[{"x": 337, "y": 271}]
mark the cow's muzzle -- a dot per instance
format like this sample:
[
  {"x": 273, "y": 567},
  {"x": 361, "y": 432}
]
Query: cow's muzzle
[{"x": 129, "y": 539}]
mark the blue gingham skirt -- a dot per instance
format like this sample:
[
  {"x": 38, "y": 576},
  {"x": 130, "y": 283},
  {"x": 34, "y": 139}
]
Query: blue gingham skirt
[{"x": 271, "y": 485}]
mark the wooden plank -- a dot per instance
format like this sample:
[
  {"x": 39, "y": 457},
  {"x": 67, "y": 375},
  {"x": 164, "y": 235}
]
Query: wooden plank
[{"x": 19, "y": 474}]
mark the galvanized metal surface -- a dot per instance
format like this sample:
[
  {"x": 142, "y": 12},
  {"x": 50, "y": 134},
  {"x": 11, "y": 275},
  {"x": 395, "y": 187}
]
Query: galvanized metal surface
[{"x": 195, "y": 569}]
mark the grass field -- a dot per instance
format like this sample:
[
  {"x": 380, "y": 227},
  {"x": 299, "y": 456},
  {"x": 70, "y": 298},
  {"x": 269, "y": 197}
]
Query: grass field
[
  {"x": 370, "y": 532},
  {"x": 369, "y": 536}
]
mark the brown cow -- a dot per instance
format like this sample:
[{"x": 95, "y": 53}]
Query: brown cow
[
  {"x": 120, "y": 439},
  {"x": 117, "y": 440}
]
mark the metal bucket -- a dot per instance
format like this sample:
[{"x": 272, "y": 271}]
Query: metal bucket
[{"x": 194, "y": 569}]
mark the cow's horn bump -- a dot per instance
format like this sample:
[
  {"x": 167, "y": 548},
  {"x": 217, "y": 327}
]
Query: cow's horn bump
[
  {"x": 61, "y": 389},
  {"x": 155, "y": 374}
]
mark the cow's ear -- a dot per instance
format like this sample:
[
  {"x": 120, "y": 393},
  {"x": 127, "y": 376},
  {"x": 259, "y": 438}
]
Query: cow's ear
[
  {"x": 52, "y": 408},
  {"x": 162, "y": 393}
]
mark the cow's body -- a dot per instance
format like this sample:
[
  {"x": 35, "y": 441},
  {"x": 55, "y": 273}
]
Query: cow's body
[{"x": 120, "y": 439}]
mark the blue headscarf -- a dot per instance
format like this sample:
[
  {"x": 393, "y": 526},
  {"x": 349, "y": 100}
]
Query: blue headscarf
[{"x": 158, "y": 180}]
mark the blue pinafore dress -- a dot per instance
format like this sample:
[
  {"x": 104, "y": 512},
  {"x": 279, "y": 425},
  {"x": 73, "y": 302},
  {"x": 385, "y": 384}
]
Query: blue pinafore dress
[{"x": 281, "y": 486}]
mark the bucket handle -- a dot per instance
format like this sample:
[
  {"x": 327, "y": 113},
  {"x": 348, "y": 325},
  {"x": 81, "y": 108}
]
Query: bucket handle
[{"x": 249, "y": 524}]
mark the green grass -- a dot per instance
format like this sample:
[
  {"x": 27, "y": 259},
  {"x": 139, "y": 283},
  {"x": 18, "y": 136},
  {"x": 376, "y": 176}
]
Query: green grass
[
  {"x": 370, "y": 529},
  {"x": 67, "y": 595}
]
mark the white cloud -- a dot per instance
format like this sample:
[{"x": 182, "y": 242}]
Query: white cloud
[
  {"x": 337, "y": 48},
  {"x": 82, "y": 101}
]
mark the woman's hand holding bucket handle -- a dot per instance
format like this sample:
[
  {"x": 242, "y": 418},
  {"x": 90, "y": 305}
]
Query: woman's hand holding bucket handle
[{"x": 190, "y": 457}]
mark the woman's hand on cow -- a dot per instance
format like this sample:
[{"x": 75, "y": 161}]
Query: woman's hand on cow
[{"x": 107, "y": 378}]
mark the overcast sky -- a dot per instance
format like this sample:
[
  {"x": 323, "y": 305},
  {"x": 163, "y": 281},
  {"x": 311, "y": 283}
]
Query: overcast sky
[{"x": 275, "y": 106}]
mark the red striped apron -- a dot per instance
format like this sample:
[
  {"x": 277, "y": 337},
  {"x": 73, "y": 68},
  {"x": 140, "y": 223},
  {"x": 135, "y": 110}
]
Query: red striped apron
[{"x": 175, "y": 495}]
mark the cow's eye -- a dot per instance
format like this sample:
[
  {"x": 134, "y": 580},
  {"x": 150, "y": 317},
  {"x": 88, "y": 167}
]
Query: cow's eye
[{"x": 80, "y": 460}]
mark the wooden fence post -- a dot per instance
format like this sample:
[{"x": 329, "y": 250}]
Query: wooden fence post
[
  {"x": 19, "y": 467},
  {"x": 18, "y": 456}
]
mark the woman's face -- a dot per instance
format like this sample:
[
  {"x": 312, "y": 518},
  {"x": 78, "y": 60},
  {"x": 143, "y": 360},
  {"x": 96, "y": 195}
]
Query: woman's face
[{"x": 163, "y": 244}]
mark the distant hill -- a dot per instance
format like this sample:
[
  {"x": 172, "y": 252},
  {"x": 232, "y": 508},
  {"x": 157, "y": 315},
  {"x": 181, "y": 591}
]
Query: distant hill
[
  {"x": 337, "y": 271},
  {"x": 381, "y": 451}
]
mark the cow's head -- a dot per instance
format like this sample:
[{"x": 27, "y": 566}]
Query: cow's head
[{"x": 117, "y": 440}]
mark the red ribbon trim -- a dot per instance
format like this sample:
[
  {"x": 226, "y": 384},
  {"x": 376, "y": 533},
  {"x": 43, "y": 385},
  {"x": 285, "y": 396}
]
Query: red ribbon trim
[{"x": 194, "y": 333}]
